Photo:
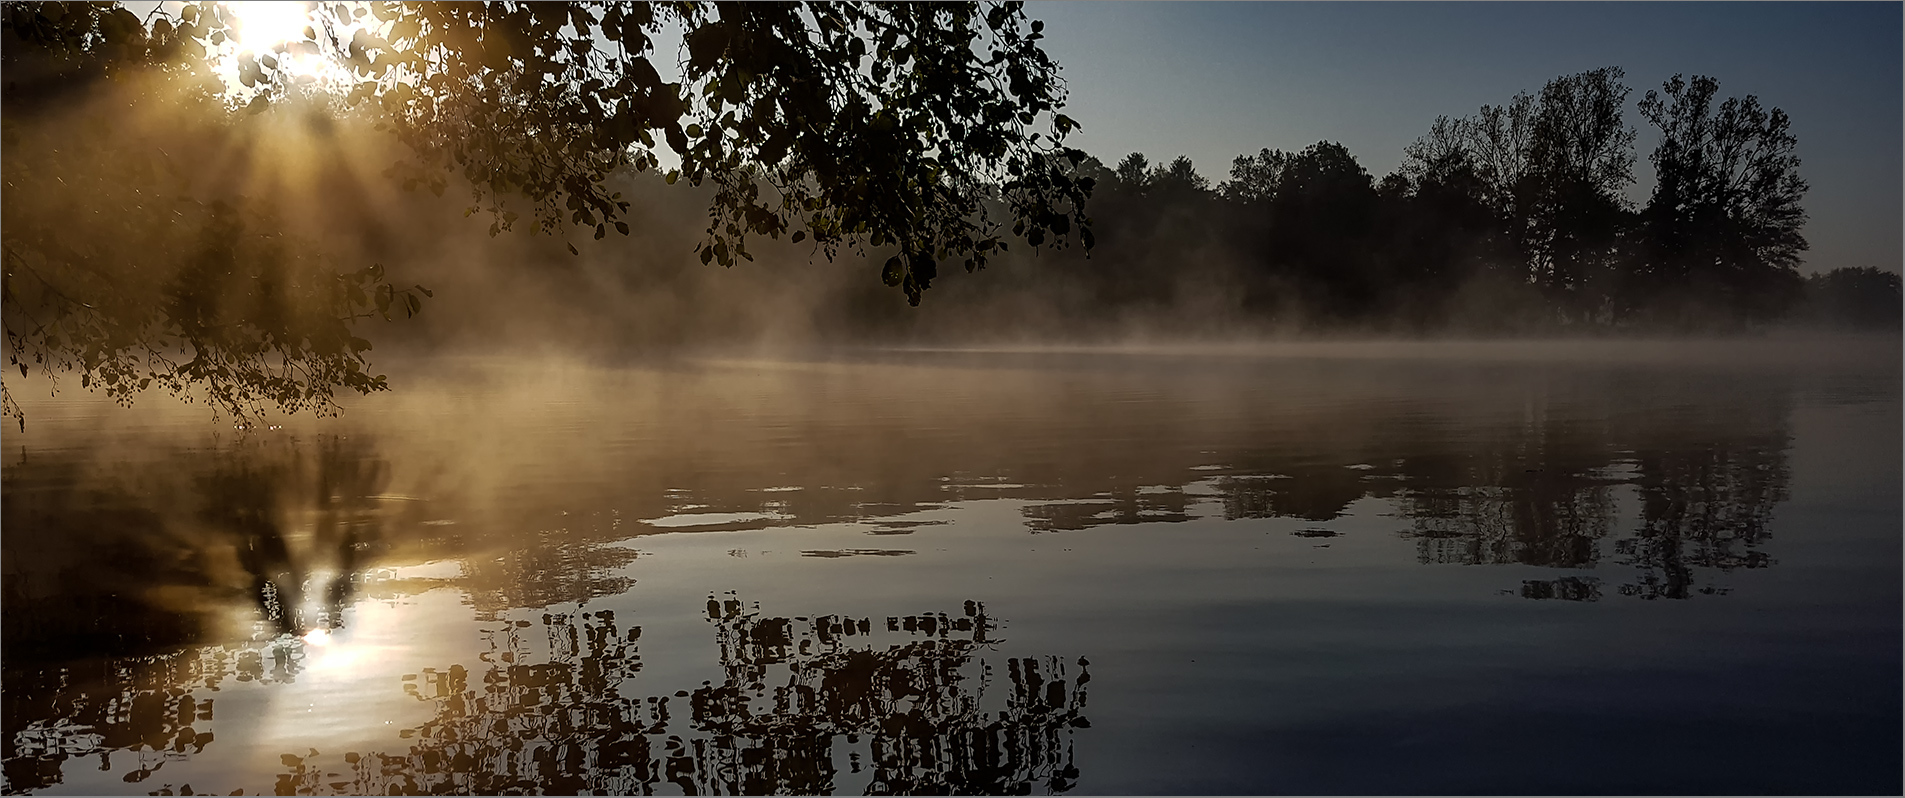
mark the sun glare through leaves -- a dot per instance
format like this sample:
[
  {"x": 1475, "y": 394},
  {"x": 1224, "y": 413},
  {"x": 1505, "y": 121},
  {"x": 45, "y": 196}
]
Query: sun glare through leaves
[{"x": 264, "y": 25}]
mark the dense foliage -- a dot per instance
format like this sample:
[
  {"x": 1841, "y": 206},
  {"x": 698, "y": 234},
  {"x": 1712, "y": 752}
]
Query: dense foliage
[
  {"x": 133, "y": 259},
  {"x": 1517, "y": 218}
]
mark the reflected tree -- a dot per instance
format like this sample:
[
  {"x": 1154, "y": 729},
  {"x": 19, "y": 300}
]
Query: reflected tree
[
  {"x": 1705, "y": 488},
  {"x": 145, "y": 557},
  {"x": 1705, "y": 507},
  {"x": 1125, "y": 505},
  {"x": 549, "y": 716},
  {"x": 153, "y": 709}
]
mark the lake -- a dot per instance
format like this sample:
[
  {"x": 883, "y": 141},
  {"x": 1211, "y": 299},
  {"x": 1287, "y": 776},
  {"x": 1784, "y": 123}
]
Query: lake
[{"x": 1587, "y": 567}]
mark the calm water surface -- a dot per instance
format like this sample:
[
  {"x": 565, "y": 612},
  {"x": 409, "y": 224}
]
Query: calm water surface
[{"x": 1498, "y": 568}]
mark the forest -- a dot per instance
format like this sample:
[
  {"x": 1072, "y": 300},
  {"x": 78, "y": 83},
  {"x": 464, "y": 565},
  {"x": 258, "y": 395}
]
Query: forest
[{"x": 1516, "y": 219}]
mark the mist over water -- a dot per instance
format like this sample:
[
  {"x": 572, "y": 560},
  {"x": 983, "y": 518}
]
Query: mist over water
[
  {"x": 1359, "y": 567},
  {"x": 1474, "y": 478}
]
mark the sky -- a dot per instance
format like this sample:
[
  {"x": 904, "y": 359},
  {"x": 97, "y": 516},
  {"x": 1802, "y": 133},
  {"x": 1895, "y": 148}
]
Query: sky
[{"x": 1215, "y": 80}]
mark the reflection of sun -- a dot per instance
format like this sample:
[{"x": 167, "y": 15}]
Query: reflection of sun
[{"x": 268, "y": 24}]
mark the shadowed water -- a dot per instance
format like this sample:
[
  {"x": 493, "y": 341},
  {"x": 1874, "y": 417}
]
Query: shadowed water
[{"x": 1305, "y": 568}]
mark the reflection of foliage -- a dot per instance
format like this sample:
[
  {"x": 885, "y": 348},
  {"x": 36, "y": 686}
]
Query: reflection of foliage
[
  {"x": 263, "y": 524},
  {"x": 1702, "y": 508},
  {"x": 144, "y": 559},
  {"x": 259, "y": 498},
  {"x": 148, "y": 706},
  {"x": 1311, "y": 493},
  {"x": 1124, "y": 506},
  {"x": 555, "y": 568},
  {"x": 1567, "y": 588},
  {"x": 1706, "y": 490},
  {"x": 548, "y": 715},
  {"x": 1552, "y": 524},
  {"x": 928, "y": 732}
]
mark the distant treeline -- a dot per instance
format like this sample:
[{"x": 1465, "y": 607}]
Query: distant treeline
[{"x": 1514, "y": 219}]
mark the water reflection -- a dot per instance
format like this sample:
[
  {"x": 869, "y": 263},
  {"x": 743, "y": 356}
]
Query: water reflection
[
  {"x": 246, "y": 541},
  {"x": 1702, "y": 485},
  {"x": 155, "y": 709},
  {"x": 907, "y": 705},
  {"x": 140, "y": 581}
]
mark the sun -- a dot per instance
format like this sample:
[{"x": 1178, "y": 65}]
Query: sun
[{"x": 267, "y": 24}]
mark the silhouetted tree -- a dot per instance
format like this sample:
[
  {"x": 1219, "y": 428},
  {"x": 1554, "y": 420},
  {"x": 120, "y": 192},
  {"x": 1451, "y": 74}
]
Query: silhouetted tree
[
  {"x": 1179, "y": 177},
  {"x": 1322, "y": 220},
  {"x": 1572, "y": 198},
  {"x": 1254, "y": 178},
  {"x": 1723, "y": 222},
  {"x": 1553, "y": 168},
  {"x": 1135, "y": 172},
  {"x": 1860, "y": 298}
]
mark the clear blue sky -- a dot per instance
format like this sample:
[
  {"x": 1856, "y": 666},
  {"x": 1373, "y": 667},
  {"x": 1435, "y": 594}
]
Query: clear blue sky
[{"x": 1214, "y": 80}]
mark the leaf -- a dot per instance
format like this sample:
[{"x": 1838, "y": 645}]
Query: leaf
[
  {"x": 799, "y": 235},
  {"x": 572, "y": 250},
  {"x": 894, "y": 272},
  {"x": 706, "y": 45}
]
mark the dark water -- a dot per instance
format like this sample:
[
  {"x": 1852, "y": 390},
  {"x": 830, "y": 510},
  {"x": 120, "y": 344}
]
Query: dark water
[{"x": 1304, "y": 569}]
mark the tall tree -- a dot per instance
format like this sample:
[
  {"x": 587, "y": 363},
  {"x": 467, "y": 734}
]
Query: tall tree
[
  {"x": 1573, "y": 196},
  {"x": 1179, "y": 177},
  {"x": 1134, "y": 172},
  {"x": 857, "y": 125},
  {"x": 1725, "y": 216},
  {"x": 1554, "y": 168},
  {"x": 1254, "y": 178},
  {"x": 1322, "y": 225}
]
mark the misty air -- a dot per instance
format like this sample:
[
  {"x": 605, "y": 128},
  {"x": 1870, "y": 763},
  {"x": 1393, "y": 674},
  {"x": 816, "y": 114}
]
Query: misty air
[{"x": 955, "y": 398}]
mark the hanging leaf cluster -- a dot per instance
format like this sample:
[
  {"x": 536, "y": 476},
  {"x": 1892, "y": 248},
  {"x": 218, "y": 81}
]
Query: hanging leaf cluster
[
  {"x": 125, "y": 266},
  {"x": 919, "y": 131},
  {"x": 904, "y": 125}
]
